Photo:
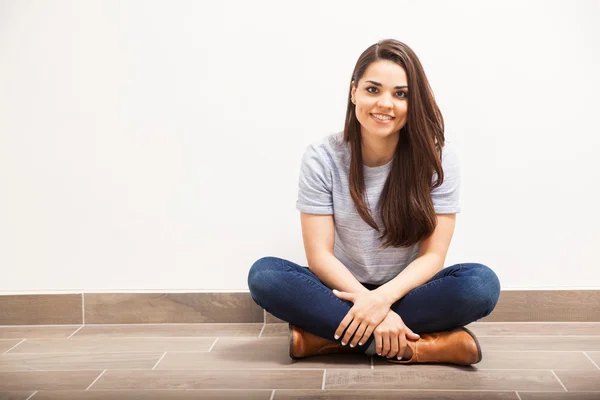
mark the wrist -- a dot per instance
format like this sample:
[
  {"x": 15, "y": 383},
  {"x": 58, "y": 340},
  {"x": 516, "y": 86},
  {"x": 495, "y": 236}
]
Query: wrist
[{"x": 385, "y": 297}]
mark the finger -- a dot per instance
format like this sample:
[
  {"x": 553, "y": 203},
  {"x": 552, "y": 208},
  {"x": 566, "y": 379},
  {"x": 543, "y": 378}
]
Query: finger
[
  {"x": 360, "y": 331},
  {"x": 350, "y": 331},
  {"x": 394, "y": 343},
  {"x": 412, "y": 335},
  {"x": 347, "y": 296},
  {"x": 366, "y": 335},
  {"x": 403, "y": 345},
  {"x": 343, "y": 325},
  {"x": 386, "y": 345},
  {"x": 378, "y": 344}
]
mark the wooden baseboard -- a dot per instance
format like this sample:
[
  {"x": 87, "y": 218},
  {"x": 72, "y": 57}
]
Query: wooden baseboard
[{"x": 147, "y": 308}]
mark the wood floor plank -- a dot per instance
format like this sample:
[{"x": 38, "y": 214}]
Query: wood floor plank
[
  {"x": 580, "y": 381},
  {"x": 433, "y": 377},
  {"x": 559, "y": 395},
  {"x": 17, "y": 395},
  {"x": 109, "y": 345},
  {"x": 32, "y": 331},
  {"x": 242, "y": 345},
  {"x": 534, "y": 328},
  {"x": 285, "y": 394},
  {"x": 521, "y": 360},
  {"x": 556, "y": 343},
  {"x": 47, "y": 380},
  {"x": 263, "y": 352},
  {"x": 154, "y": 394},
  {"x": 78, "y": 361},
  {"x": 259, "y": 360},
  {"x": 171, "y": 330},
  {"x": 217, "y": 379},
  {"x": 6, "y": 344}
]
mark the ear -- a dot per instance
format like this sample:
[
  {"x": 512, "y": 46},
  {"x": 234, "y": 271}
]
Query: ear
[{"x": 353, "y": 90}]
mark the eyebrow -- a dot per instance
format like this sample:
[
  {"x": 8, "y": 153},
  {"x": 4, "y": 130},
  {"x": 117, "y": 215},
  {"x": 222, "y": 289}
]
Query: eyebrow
[{"x": 379, "y": 84}]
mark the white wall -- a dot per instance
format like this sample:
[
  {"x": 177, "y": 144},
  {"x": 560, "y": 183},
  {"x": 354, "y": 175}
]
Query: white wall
[{"x": 156, "y": 145}]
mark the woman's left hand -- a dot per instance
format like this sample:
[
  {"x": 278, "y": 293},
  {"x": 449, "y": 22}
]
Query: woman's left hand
[{"x": 369, "y": 309}]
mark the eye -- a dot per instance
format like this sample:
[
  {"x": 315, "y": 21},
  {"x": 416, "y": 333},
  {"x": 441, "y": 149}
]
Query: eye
[
  {"x": 402, "y": 94},
  {"x": 371, "y": 87}
]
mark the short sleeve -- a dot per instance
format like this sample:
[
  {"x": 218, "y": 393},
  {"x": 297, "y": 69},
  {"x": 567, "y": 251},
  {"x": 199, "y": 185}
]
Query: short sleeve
[
  {"x": 446, "y": 197},
  {"x": 315, "y": 184}
]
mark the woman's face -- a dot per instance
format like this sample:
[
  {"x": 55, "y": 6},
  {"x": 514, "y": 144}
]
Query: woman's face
[{"x": 381, "y": 98}]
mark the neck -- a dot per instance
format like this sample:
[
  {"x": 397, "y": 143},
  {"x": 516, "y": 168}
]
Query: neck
[{"x": 378, "y": 151}]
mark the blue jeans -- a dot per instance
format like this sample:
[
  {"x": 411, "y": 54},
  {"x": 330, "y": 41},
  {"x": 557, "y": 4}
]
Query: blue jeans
[{"x": 454, "y": 297}]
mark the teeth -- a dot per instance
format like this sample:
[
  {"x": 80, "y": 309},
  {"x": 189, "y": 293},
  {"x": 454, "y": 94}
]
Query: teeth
[{"x": 382, "y": 117}]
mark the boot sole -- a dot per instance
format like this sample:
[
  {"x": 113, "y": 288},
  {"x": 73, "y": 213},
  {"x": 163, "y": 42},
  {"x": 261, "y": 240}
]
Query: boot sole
[{"x": 477, "y": 343}]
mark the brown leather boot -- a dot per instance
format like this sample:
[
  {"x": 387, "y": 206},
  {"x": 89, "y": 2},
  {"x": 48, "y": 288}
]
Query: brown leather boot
[
  {"x": 304, "y": 344},
  {"x": 459, "y": 346}
]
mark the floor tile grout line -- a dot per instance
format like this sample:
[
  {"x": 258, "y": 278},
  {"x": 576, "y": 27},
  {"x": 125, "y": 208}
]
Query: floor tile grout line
[
  {"x": 31, "y": 395},
  {"x": 324, "y": 376},
  {"x": 78, "y": 329},
  {"x": 228, "y": 323},
  {"x": 272, "y": 394},
  {"x": 14, "y": 346},
  {"x": 261, "y": 331},
  {"x": 213, "y": 345},
  {"x": 196, "y": 370},
  {"x": 556, "y": 376},
  {"x": 331, "y": 390},
  {"x": 517, "y": 393},
  {"x": 160, "y": 359},
  {"x": 533, "y": 336},
  {"x": 118, "y": 336},
  {"x": 126, "y": 336},
  {"x": 135, "y": 324},
  {"x": 95, "y": 380},
  {"x": 586, "y": 354},
  {"x": 479, "y": 324},
  {"x": 537, "y": 322},
  {"x": 147, "y": 351}
]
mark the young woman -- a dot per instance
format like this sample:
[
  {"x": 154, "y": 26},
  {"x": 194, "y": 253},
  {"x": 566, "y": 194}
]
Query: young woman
[{"x": 378, "y": 206}]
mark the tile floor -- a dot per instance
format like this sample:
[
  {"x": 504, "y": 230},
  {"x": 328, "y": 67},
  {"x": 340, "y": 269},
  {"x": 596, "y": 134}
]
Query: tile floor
[{"x": 530, "y": 360}]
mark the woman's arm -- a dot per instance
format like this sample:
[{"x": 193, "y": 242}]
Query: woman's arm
[
  {"x": 432, "y": 254},
  {"x": 318, "y": 235}
]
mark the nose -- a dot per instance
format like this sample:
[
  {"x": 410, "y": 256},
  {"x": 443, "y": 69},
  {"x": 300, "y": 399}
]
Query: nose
[{"x": 385, "y": 101}]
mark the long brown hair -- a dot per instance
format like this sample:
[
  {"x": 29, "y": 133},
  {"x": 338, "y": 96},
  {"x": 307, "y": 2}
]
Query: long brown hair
[{"x": 405, "y": 204}]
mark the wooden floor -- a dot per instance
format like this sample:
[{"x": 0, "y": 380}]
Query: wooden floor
[{"x": 250, "y": 361}]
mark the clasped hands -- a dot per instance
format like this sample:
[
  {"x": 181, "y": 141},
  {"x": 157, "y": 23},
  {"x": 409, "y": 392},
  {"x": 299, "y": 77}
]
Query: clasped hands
[{"x": 371, "y": 314}]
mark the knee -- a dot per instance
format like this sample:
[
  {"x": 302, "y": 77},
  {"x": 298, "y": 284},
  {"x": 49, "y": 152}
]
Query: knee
[
  {"x": 259, "y": 274},
  {"x": 485, "y": 288}
]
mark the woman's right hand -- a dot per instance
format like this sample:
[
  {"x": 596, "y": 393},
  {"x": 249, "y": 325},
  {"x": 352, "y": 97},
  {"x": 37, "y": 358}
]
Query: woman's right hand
[{"x": 391, "y": 335}]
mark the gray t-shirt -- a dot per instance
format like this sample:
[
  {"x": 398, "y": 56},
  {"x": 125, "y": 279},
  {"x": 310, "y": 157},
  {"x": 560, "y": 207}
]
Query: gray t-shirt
[{"x": 324, "y": 189}]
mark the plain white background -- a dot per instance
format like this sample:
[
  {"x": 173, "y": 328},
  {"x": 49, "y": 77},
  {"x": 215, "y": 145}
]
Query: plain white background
[{"x": 156, "y": 145}]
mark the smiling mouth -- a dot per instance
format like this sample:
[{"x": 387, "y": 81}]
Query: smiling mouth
[{"x": 382, "y": 117}]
